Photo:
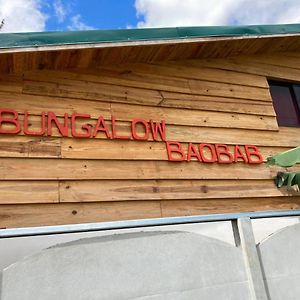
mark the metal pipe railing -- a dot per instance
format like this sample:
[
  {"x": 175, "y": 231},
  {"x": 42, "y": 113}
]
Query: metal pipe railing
[{"x": 142, "y": 223}]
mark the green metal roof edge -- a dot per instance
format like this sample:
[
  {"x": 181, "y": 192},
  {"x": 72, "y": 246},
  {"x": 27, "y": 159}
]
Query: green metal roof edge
[{"x": 34, "y": 39}]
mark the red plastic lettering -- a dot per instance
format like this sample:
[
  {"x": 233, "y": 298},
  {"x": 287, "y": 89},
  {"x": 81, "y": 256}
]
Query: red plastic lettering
[
  {"x": 114, "y": 131},
  {"x": 175, "y": 147},
  {"x": 85, "y": 128},
  {"x": 213, "y": 155},
  {"x": 239, "y": 154},
  {"x": 134, "y": 124},
  {"x": 34, "y": 133},
  {"x": 63, "y": 129},
  {"x": 253, "y": 151},
  {"x": 14, "y": 120},
  {"x": 222, "y": 150},
  {"x": 158, "y": 128},
  {"x": 101, "y": 126},
  {"x": 192, "y": 152}
]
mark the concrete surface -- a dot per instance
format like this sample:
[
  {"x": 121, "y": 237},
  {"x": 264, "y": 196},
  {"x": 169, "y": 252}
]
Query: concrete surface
[
  {"x": 15, "y": 249},
  {"x": 280, "y": 257},
  {"x": 146, "y": 265}
]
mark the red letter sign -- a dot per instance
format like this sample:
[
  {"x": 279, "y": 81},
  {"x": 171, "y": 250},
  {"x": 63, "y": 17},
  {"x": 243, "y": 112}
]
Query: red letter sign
[
  {"x": 63, "y": 129},
  {"x": 36, "y": 133},
  {"x": 14, "y": 120},
  {"x": 134, "y": 131},
  {"x": 158, "y": 127},
  {"x": 86, "y": 128},
  {"x": 223, "y": 150},
  {"x": 254, "y": 153},
  {"x": 175, "y": 147}
]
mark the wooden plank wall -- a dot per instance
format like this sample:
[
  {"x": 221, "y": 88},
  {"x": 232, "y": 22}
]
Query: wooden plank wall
[{"x": 48, "y": 181}]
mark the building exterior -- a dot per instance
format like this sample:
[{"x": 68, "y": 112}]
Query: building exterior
[{"x": 133, "y": 124}]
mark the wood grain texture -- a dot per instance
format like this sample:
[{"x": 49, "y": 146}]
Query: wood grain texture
[
  {"x": 272, "y": 66},
  {"x": 17, "y": 192},
  {"x": 136, "y": 94},
  {"x": 132, "y": 150},
  {"x": 36, "y": 104},
  {"x": 121, "y": 190},
  {"x": 69, "y": 213},
  {"x": 197, "y": 118},
  {"x": 277, "y": 59},
  {"x": 178, "y": 69},
  {"x": 92, "y": 91},
  {"x": 222, "y": 104},
  {"x": 66, "y": 169},
  {"x": 124, "y": 129},
  {"x": 171, "y": 82},
  {"x": 55, "y": 180},
  {"x": 58, "y": 214},
  {"x": 123, "y": 112},
  {"x": 43, "y": 147},
  {"x": 24, "y": 146},
  {"x": 85, "y": 56},
  {"x": 288, "y": 137},
  {"x": 212, "y": 206},
  {"x": 9, "y": 83}
]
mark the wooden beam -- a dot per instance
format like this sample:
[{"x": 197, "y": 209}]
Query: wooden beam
[
  {"x": 66, "y": 169},
  {"x": 58, "y": 214},
  {"x": 122, "y": 190}
]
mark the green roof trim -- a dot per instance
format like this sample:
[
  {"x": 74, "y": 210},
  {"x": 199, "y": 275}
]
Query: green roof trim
[{"x": 37, "y": 39}]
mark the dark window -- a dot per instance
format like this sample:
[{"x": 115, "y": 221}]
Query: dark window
[{"x": 286, "y": 101}]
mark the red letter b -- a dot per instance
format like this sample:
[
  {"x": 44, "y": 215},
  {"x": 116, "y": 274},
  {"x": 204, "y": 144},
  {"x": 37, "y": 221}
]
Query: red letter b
[{"x": 9, "y": 120}]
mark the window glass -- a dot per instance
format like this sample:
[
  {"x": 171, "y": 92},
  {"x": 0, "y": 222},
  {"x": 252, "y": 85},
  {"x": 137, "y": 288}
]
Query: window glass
[
  {"x": 296, "y": 89},
  {"x": 285, "y": 104}
]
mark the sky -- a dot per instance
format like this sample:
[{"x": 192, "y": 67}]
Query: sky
[{"x": 64, "y": 15}]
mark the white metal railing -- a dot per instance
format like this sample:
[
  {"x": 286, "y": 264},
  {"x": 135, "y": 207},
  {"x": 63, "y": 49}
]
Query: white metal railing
[{"x": 131, "y": 224}]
